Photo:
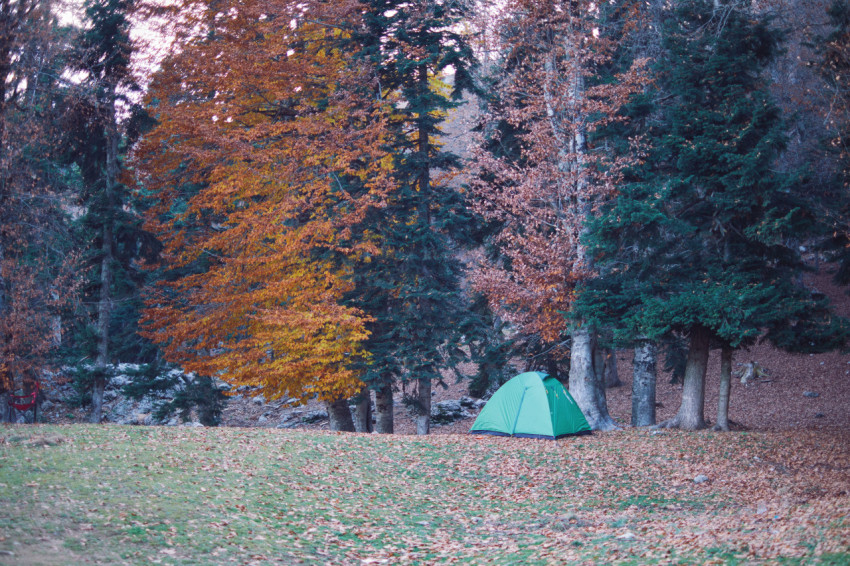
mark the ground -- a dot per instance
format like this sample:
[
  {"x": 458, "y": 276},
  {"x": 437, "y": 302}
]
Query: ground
[
  {"x": 776, "y": 403},
  {"x": 84, "y": 494},
  {"x": 774, "y": 491}
]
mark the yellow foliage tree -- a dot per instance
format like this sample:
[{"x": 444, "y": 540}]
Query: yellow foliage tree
[{"x": 267, "y": 153}]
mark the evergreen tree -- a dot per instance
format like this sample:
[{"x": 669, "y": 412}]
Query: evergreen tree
[
  {"x": 696, "y": 242},
  {"x": 108, "y": 226},
  {"x": 412, "y": 289}
]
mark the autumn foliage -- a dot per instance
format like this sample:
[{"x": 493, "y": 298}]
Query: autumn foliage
[
  {"x": 542, "y": 171},
  {"x": 266, "y": 154}
]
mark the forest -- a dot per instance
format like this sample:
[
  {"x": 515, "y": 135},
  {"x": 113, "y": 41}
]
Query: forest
[{"x": 271, "y": 194}]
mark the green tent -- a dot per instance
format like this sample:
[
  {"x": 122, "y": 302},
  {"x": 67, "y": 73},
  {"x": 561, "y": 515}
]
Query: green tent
[{"x": 531, "y": 405}]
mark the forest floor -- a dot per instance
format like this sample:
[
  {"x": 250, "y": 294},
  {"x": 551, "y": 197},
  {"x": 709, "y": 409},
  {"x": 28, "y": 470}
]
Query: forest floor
[
  {"x": 808, "y": 391},
  {"x": 85, "y": 494}
]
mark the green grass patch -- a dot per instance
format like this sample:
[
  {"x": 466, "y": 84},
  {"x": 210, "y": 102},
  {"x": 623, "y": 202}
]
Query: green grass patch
[{"x": 142, "y": 495}]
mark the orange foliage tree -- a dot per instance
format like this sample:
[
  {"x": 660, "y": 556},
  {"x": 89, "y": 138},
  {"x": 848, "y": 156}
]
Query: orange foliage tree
[
  {"x": 36, "y": 267},
  {"x": 542, "y": 188},
  {"x": 266, "y": 154},
  {"x": 545, "y": 168}
]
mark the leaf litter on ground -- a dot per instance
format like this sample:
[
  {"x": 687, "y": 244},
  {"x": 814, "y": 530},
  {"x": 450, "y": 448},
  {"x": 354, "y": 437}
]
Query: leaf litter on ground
[{"x": 136, "y": 495}]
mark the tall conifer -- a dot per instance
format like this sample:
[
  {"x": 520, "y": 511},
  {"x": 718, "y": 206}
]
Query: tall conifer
[
  {"x": 697, "y": 241},
  {"x": 412, "y": 289}
]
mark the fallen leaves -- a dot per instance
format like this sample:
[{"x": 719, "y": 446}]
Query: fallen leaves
[{"x": 625, "y": 496}]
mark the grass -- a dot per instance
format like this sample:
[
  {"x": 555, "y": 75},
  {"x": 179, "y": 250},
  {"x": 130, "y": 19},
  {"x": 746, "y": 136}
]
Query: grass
[{"x": 142, "y": 495}]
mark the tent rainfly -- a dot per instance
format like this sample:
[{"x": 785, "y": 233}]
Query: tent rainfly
[{"x": 531, "y": 405}]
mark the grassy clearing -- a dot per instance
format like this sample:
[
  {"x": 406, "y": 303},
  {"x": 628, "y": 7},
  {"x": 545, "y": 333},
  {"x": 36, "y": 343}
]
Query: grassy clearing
[{"x": 140, "y": 495}]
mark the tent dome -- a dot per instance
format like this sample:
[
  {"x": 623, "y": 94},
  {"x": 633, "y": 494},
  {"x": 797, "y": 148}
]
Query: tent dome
[{"x": 531, "y": 405}]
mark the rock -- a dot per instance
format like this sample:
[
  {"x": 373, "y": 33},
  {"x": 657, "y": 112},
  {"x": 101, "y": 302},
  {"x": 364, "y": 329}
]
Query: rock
[
  {"x": 628, "y": 535},
  {"x": 220, "y": 384},
  {"x": 193, "y": 424},
  {"x": 141, "y": 419},
  {"x": 242, "y": 388},
  {"x": 258, "y": 400},
  {"x": 314, "y": 417},
  {"x": 173, "y": 421},
  {"x": 761, "y": 509},
  {"x": 110, "y": 395},
  {"x": 470, "y": 403},
  {"x": 701, "y": 478},
  {"x": 819, "y": 415},
  {"x": 446, "y": 412},
  {"x": 811, "y": 394},
  {"x": 119, "y": 381},
  {"x": 262, "y": 419},
  {"x": 46, "y": 405}
]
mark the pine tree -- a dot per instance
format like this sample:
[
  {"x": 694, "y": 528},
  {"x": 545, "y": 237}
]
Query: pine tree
[
  {"x": 103, "y": 54},
  {"x": 412, "y": 289},
  {"x": 695, "y": 242}
]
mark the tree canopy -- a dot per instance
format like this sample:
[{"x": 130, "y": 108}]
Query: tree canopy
[{"x": 262, "y": 129}]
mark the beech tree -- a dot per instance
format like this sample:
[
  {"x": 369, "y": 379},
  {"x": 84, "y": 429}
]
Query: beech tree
[
  {"x": 542, "y": 192},
  {"x": 696, "y": 242},
  {"x": 264, "y": 158},
  {"x": 35, "y": 258},
  {"x": 834, "y": 67}
]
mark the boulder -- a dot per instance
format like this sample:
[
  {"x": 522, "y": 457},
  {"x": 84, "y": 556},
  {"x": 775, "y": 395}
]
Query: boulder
[
  {"x": 446, "y": 412},
  {"x": 314, "y": 417}
]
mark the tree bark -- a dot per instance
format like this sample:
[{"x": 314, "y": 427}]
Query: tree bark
[
  {"x": 339, "y": 416},
  {"x": 586, "y": 386},
  {"x": 384, "y": 409},
  {"x": 423, "y": 416},
  {"x": 691, "y": 414},
  {"x": 610, "y": 373},
  {"x": 363, "y": 411},
  {"x": 643, "y": 383},
  {"x": 725, "y": 389},
  {"x": 4, "y": 407},
  {"x": 104, "y": 307}
]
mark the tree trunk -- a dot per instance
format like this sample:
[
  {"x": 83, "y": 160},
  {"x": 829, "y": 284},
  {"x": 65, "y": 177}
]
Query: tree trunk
[
  {"x": 104, "y": 307},
  {"x": 725, "y": 389},
  {"x": 363, "y": 411},
  {"x": 611, "y": 375},
  {"x": 643, "y": 383},
  {"x": 339, "y": 416},
  {"x": 423, "y": 407},
  {"x": 98, "y": 387},
  {"x": 384, "y": 409},
  {"x": 691, "y": 415},
  {"x": 586, "y": 386},
  {"x": 4, "y": 407}
]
